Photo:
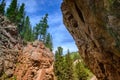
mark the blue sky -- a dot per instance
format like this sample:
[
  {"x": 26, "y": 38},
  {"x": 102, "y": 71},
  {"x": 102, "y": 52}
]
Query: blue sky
[{"x": 36, "y": 9}]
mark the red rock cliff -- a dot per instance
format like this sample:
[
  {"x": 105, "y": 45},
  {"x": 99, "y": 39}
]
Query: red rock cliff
[
  {"x": 18, "y": 62},
  {"x": 95, "y": 26},
  {"x": 35, "y": 63}
]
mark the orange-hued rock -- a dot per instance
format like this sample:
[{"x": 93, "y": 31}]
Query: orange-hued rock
[
  {"x": 18, "y": 62},
  {"x": 35, "y": 63},
  {"x": 95, "y": 27}
]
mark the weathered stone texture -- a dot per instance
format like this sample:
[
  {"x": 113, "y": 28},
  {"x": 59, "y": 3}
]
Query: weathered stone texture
[
  {"x": 95, "y": 26},
  {"x": 35, "y": 63},
  {"x": 9, "y": 42},
  {"x": 32, "y": 61}
]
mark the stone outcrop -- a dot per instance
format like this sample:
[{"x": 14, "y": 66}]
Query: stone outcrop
[
  {"x": 22, "y": 62},
  {"x": 9, "y": 46},
  {"x": 35, "y": 63},
  {"x": 95, "y": 26}
]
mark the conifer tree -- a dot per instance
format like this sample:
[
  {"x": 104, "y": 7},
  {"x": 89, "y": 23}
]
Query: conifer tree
[
  {"x": 59, "y": 65},
  {"x": 37, "y": 30},
  {"x": 12, "y": 11},
  {"x": 80, "y": 71},
  {"x": 69, "y": 67},
  {"x": 27, "y": 32},
  {"x": 22, "y": 28},
  {"x": 17, "y": 15},
  {"x": 2, "y": 7},
  {"x": 41, "y": 29},
  {"x": 44, "y": 27},
  {"x": 21, "y": 17},
  {"x": 48, "y": 41},
  {"x": 21, "y": 13}
]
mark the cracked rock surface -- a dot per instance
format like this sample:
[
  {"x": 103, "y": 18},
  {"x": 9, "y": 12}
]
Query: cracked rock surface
[
  {"x": 95, "y": 27},
  {"x": 32, "y": 61}
]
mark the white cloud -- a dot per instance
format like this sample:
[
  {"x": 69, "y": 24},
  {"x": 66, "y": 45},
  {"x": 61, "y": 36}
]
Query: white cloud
[
  {"x": 35, "y": 19},
  {"x": 55, "y": 18},
  {"x": 31, "y": 6}
]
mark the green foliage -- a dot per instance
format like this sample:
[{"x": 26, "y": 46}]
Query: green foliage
[
  {"x": 48, "y": 41},
  {"x": 80, "y": 71},
  {"x": 66, "y": 69},
  {"x": 13, "y": 78},
  {"x": 59, "y": 65},
  {"x": 44, "y": 24},
  {"x": 20, "y": 18},
  {"x": 5, "y": 77},
  {"x": 75, "y": 56},
  {"x": 16, "y": 14},
  {"x": 12, "y": 11},
  {"x": 27, "y": 31},
  {"x": 40, "y": 32},
  {"x": 69, "y": 67},
  {"x": 40, "y": 29},
  {"x": 21, "y": 13},
  {"x": 2, "y": 7}
]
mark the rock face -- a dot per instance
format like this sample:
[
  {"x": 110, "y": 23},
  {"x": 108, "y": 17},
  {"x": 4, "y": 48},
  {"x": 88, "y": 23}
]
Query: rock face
[
  {"x": 35, "y": 63},
  {"x": 95, "y": 26},
  {"x": 18, "y": 62},
  {"x": 9, "y": 44}
]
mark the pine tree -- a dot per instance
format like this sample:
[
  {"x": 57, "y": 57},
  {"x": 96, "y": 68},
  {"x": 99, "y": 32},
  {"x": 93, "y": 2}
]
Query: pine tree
[
  {"x": 12, "y": 11},
  {"x": 2, "y": 7},
  {"x": 17, "y": 15},
  {"x": 21, "y": 13},
  {"x": 80, "y": 71},
  {"x": 69, "y": 67},
  {"x": 20, "y": 17},
  {"x": 21, "y": 28},
  {"x": 59, "y": 65},
  {"x": 48, "y": 41},
  {"x": 27, "y": 32},
  {"x": 41, "y": 29},
  {"x": 44, "y": 27},
  {"x": 37, "y": 30}
]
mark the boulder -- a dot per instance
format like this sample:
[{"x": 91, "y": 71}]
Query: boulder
[{"x": 35, "y": 63}]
